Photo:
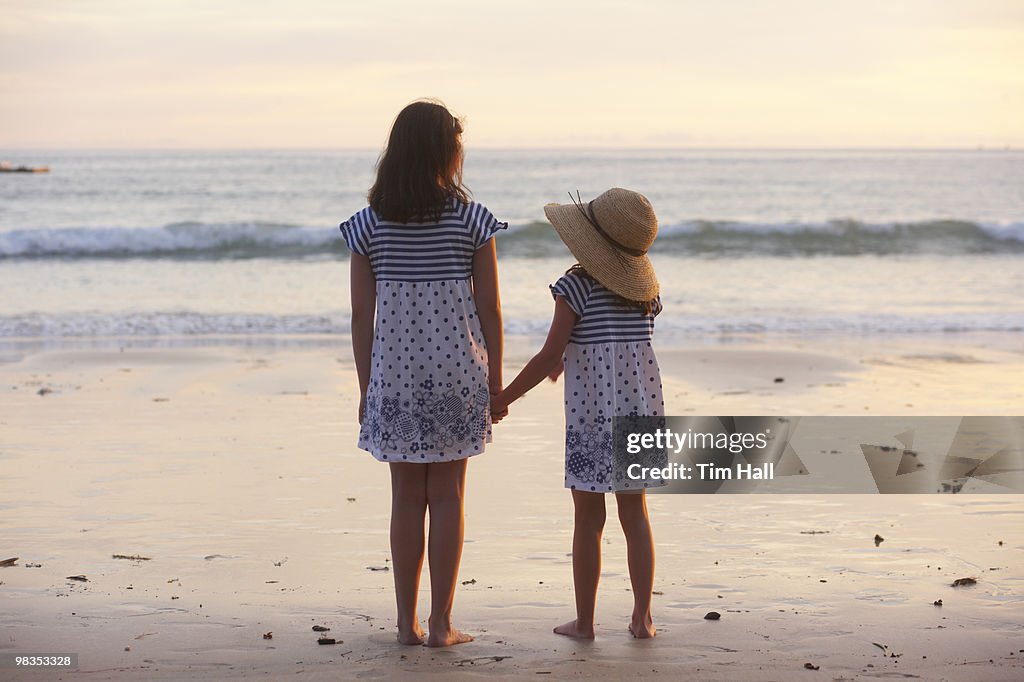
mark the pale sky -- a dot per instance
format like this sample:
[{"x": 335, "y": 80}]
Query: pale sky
[{"x": 526, "y": 73}]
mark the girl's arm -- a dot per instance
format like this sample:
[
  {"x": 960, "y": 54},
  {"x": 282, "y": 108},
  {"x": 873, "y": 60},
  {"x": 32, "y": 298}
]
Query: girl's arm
[
  {"x": 364, "y": 305},
  {"x": 546, "y": 362},
  {"x": 488, "y": 307}
]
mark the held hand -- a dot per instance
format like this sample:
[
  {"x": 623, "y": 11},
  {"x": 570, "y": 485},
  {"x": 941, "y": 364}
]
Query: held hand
[
  {"x": 557, "y": 371},
  {"x": 499, "y": 408}
]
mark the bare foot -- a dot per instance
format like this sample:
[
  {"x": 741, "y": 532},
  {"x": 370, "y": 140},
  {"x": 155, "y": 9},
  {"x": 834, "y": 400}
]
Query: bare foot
[
  {"x": 447, "y": 637},
  {"x": 413, "y": 636},
  {"x": 574, "y": 630},
  {"x": 642, "y": 628}
]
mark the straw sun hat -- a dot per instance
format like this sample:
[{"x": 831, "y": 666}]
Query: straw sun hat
[{"x": 609, "y": 237}]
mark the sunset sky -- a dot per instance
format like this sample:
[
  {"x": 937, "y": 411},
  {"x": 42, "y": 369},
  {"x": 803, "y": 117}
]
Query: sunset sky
[{"x": 629, "y": 73}]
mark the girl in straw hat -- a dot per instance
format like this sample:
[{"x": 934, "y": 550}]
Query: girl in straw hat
[{"x": 601, "y": 335}]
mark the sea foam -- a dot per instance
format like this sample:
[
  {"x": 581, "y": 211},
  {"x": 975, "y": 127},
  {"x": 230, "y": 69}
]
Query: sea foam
[{"x": 191, "y": 240}]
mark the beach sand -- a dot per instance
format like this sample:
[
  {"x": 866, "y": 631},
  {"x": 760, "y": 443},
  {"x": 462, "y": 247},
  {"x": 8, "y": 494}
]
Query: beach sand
[{"x": 232, "y": 467}]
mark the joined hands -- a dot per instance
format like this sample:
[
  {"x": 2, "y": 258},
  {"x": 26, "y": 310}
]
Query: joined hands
[
  {"x": 499, "y": 407},
  {"x": 499, "y": 397}
]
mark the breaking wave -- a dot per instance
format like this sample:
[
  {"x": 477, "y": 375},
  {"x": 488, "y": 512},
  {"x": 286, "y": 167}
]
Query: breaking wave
[{"x": 700, "y": 238}]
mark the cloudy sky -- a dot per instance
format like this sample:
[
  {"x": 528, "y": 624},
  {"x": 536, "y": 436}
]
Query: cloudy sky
[{"x": 526, "y": 73}]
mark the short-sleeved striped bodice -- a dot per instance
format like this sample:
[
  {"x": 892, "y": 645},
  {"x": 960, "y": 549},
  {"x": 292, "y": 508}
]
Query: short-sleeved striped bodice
[
  {"x": 422, "y": 252},
  {"x": 610, "y": 370},
  {"x": 428, "y": 399},
  {"x": 604, "y": 317}
]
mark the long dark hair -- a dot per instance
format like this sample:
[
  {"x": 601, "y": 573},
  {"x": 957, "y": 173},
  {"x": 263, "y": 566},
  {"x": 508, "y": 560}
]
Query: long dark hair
[
  {"x": 646, "y": 307},
  {"x": 421, "y": 166}
]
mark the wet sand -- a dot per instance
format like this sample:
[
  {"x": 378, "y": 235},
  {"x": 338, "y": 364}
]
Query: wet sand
[{"x": 233, "y": 468}]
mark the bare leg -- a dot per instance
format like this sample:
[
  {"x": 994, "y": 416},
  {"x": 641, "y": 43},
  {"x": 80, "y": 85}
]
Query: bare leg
[
  {"x": 445, "y": 489},
  {"x": 586, "y": 562},
  {"x": 408, "y": 509},
  {"x": 640, "y": 556}
]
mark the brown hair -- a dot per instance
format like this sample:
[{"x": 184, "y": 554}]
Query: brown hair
[
  {"x": 647, "y": 307},
  {"x": 421, "y": 166}
]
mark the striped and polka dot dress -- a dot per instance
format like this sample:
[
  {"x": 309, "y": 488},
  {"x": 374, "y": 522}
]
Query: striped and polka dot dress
[
  {"x": 427, "y": 400},
  {"x": 610, "y": 370}
]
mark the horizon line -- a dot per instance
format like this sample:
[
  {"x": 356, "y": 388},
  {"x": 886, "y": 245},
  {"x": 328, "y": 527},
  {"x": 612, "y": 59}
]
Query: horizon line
[{"x": 580, "y": 148}]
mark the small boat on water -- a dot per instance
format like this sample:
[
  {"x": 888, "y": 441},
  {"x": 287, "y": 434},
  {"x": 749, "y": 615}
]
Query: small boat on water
[{"x": 7, "y": 167}]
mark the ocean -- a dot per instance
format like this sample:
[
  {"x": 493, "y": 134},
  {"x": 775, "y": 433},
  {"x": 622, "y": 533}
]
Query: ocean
[{"x": 169, "y": 247}]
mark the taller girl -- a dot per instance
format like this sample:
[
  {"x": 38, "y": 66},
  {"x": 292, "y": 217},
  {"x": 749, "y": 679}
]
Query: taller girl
[{"x": 423, "y": 260}]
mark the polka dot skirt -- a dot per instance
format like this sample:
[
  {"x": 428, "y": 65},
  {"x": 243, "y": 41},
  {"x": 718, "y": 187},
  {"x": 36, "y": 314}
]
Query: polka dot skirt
[
  {"x": 427, "y": 400},
  {"x": 604, "y": 380}
]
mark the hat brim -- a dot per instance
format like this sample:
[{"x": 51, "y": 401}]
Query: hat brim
[{"x": 631, "y": 277}]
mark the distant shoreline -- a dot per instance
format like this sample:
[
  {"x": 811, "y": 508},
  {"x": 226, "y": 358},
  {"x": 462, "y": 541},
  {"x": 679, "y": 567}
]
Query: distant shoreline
[{"x": 986, "y": 149}]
